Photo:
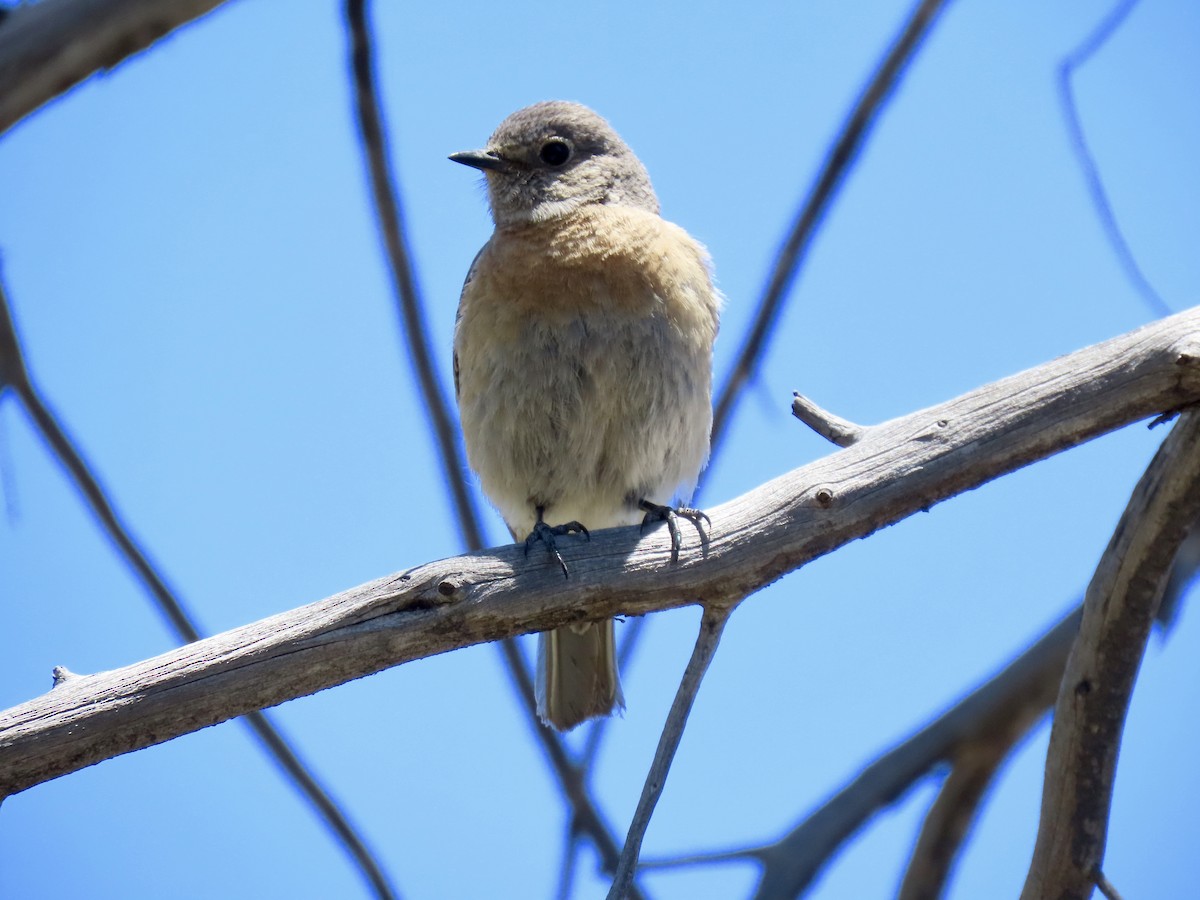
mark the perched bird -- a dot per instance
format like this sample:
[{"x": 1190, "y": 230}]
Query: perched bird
[{"x": 582, "y": 362}]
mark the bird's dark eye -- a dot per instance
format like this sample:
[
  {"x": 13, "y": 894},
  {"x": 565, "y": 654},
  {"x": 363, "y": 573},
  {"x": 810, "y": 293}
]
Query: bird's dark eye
[{"x": 555, "y": 152}]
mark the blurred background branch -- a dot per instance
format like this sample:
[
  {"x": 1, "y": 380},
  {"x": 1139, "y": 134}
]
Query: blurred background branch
[{"x": 1067, "y": 69}]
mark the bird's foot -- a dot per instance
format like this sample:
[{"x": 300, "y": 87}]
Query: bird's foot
[
  {"x": 656, "y": 512},
  {"x": 549, "y": 534}
]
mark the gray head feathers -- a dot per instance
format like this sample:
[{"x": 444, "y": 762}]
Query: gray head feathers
[{"x": 550, "y": 158}]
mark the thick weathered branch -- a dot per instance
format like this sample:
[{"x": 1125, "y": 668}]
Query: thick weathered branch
[
  {"x": 1089, "y": 715},
  {"x": 1187, "y": 562},
  {"x": 900, "y": 468},
  {"x": 47, "y": 48}
]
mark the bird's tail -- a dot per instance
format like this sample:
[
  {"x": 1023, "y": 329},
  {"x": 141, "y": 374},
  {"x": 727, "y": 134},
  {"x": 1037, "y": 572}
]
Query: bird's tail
[{"x": 577, "y": 675}]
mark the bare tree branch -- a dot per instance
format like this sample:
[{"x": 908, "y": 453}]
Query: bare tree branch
[
  {"x": 1087, "y": 163},
  {"x": 845, "y": 433},
  {"x": 14, "y": 375},
  {"x": 712, "y": 624},
  {"x": 49, "y": 47},
  {"x": 1089, "y": 715},
  {"x": 833, "y": 428},
  {"x": 900, "y": 468},
  {"x": 842, "y": 155}
]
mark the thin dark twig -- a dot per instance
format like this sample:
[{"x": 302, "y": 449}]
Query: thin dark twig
[
  {"x": 385, "y": 194},
  {"x": 837, "y": 163},
  {"x": 412, "y": 313},
  {"x": 570, "y": 857},
  {"x": 15, "y": 375},
  {"x": 709, "y": 858},
  {"x": 1087, "y": 162},
  {"x": 711, "y": 625}
]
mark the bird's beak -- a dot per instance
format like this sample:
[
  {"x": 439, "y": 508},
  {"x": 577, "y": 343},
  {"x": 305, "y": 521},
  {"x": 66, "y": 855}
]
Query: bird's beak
[{"x": 480, "y": 159}]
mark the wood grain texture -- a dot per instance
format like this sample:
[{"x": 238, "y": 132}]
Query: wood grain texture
[
  {"x": 898, "y": 468},
  {"x": 47, "y": 48},
  {"x": 1097, "y": 686}
]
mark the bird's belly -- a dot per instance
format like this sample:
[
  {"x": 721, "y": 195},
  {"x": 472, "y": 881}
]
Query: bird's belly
[{"x": 585, "y": 417}]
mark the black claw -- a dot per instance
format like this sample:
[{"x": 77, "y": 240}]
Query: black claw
[
  {"x": 656, "y": 512},
  {"x": 548, "y": 535},
  {"x": 694, "y": 515}
]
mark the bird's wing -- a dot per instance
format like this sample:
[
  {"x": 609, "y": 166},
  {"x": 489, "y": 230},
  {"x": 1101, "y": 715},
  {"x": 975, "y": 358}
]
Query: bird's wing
[{"x": 458, "y": 315}]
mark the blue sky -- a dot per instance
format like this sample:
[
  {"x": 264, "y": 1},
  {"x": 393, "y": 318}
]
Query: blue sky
[{"x": 194, "y": 270}]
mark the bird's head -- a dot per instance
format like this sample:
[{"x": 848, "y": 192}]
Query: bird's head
[{"x": 551, "y": 158}]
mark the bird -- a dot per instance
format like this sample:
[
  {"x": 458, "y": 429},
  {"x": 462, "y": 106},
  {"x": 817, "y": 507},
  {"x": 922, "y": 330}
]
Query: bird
[{"x": 583, "y": 352}]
